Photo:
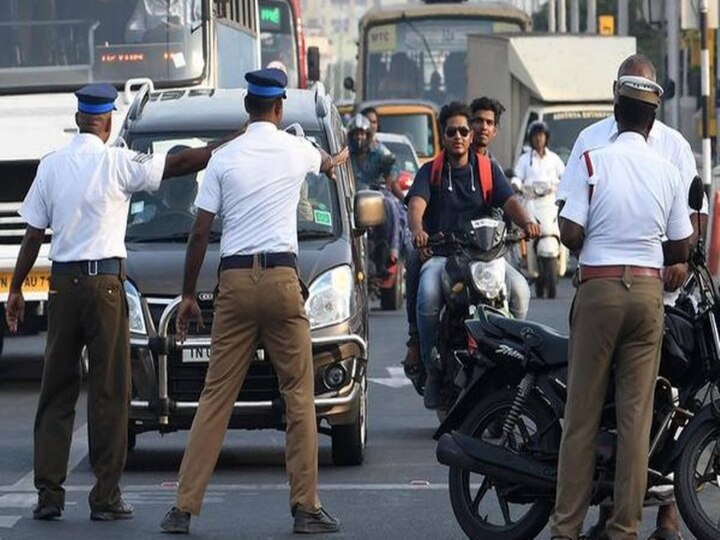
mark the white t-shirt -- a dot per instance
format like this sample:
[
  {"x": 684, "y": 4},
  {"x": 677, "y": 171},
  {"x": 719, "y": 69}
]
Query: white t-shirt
[
  {"x": 82, "y": 192},
  {"x": 253, "y": 183},
  {"x": 531, "y": 167},
  {"x": 638, "y": 198},
  {"x": 664, "y": 140}
]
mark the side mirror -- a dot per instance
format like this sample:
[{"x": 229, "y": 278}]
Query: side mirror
[
  {"x": 696, "y": 195},
  {"x": 349, "y": 84},
  {"x": 369, "y": 209},
  {"x": 313, "y": 63}
]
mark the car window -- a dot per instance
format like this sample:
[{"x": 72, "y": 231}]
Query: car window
[
  {"x": 405, "y": 159},
  {"x": 169, "y": 212}
]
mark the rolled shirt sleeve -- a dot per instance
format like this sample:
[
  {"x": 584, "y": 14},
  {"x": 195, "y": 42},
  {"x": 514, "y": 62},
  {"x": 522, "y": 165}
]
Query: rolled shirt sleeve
[
  {"x": 209, "y": 197},
  {"x": 34, "y": 208},
  {"x": 577, "y": 203},
  {"x": 140, "y": 172},
  {"x": 572, "y": 171},
  {"x": 312, "y": 155}
]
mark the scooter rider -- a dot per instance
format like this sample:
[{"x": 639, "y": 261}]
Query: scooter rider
[
  {"x": 373, "y": 168},
  {"x": 447, "y": 192},
  {"x": 539, "y": 163}
]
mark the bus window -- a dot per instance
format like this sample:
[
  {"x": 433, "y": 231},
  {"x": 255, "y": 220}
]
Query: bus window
[
  {"x": 278, "y": 42},
  {"x": 66, "y": 44}
]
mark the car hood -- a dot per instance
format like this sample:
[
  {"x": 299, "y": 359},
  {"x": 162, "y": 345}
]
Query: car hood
[{"x": 157, "y": 268}]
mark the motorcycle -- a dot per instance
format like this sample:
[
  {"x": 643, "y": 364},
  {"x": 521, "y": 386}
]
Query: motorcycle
[
  {"x": 474, "y": 275},
  {"x": 546, "y": 256},
  {"x": 501, "y": 439}
]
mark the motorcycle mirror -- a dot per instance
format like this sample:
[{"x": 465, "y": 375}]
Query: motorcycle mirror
[{"x": 696, "y": 194}]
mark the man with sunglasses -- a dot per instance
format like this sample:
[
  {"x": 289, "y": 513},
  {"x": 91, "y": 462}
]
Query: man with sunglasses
[{"x": 443, "y": 203}]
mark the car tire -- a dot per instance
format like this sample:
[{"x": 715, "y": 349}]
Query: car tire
[
  {"x": 349, "y": 440},
  {"x": 391, "y": 299}
]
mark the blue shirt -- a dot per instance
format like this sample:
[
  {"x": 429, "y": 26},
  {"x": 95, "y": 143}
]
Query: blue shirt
[
  {"x": 372, "y": 172},
  {"x": 457, "y": 198}
]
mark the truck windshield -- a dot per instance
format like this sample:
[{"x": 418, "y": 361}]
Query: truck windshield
[
  {"x": 50, "y": 44},
  {"x": 423, "y": 58},
  {"x": 168, "y": 214},
  {"x": 565, "y": 126},
  {"x": 277, "y": 33}
]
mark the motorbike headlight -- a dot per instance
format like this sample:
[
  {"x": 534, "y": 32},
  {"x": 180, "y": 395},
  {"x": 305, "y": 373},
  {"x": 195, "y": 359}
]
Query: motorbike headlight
[
  {"x": 331, "y": 298},
  {"x": 488, "y": 279},
  {"x": 135, "y": 312}
]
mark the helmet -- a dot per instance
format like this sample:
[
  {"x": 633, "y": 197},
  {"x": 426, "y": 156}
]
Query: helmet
[
  {"x": 538, "y": 126},
  {"x": 358, "y": 122}
]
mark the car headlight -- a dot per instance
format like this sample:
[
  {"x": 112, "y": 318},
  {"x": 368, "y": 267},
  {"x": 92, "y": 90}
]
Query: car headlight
[
  {"x": 488, "y": 279},
  {"x": 135, "y": 311},
  {"x": 331, "y": 299}
]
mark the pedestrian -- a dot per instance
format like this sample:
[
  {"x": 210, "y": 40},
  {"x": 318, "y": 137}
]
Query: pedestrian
[
  {"x": 624, "y": 203},
  {"x": 82, "y": 192},
  {"x": 447, "y": 193},
  {"x": 670, "y": 144},
  {"x": 254, "y": 183}
]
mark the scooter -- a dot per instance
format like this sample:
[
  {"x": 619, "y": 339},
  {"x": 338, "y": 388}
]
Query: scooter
[{"x": 546, "y": 256}]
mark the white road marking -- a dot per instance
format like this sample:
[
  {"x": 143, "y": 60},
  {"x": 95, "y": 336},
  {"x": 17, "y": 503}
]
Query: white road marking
[
  {"x": 78, "y": 451},
  {"x": 8, "y": 522},
  {"x": 397, "y": 378},
  {"x": 17, "y": 500}
]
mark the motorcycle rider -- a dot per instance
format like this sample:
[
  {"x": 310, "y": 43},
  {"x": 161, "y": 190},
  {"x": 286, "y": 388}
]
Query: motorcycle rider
[
  {"x": 373, "y": 168},
  {"x": 441, "y": 202}
]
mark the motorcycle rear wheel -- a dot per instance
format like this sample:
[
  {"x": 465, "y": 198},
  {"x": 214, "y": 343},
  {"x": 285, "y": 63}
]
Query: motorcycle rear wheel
[
  {"x": 521, "y": 521},
  {"x": 697, "y": 487}
]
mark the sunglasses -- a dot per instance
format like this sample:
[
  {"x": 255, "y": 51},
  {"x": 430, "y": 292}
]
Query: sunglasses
[{"x": 451, "y": 131}]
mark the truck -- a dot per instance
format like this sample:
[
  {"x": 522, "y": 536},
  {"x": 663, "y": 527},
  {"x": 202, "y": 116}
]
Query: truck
[{"x": 564, "y": 80}]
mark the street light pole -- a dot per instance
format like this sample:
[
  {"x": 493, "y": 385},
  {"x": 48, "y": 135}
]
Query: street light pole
[
  {"x": 622, "y": 18},
  {"x": 591, "y": 25},
  {"x": 705, "y": 84},
  {"x": 552, "y": 11},
  {"x": 575, "y": 16},
  {"x": 562, "y": 17},
  {"x": 672, "y": 18}
]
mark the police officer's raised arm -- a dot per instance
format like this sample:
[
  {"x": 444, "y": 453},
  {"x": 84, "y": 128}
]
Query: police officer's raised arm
[
  {"x": 328, "y": 162},
  {"x": 574, "y": 216}
]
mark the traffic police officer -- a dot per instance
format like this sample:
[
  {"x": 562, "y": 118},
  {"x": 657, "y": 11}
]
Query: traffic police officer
[
  {"x": 625, "y": 202},
  {"x": 82, "y": 192},
  {"x": 254, "y": 182}
]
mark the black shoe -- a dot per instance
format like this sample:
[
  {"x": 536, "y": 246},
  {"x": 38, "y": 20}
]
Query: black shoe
[
  {"x": 315, "y": 522},
  {"x": 119, "y": 510},
  {"x": 46, "y": 511},
  {"x": 176, "y": 521}
]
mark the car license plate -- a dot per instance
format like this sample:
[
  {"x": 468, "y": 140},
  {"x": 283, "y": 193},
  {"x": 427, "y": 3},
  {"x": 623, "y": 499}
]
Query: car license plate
[
  {"x": 202, "y": 354},
  {"x": 34, "y": 282}
]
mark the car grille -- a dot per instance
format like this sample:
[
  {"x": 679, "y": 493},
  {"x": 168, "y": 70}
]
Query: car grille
[
  {"x": 186, "y": 379},
  {"x": 16, "y": 178}
]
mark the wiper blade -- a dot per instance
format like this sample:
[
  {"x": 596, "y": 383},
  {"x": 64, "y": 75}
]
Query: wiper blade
[{"x": 309, "y": 234}]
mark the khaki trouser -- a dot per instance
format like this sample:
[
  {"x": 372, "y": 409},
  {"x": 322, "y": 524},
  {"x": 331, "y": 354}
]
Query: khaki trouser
[
  {"x": 91, "y": 311},
  {"x": 267, "y": 304},
  {"x": 616, "y": 322}
]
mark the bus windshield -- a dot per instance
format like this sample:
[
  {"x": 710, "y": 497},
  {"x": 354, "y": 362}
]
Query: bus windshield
[
  {"x": 423, "y": 58},
  {"x": 278, "y": 43},
  {"x": 50, "y": 44}
]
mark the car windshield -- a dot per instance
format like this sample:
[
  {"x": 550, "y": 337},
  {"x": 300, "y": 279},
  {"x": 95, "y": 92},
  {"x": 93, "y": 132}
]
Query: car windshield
[
  {"x": 423, "y": 58},
  {"x": 417, "y": 127},
  {"x": 168, "y": 214},
  {"x": 67, "y": 43},
  {"x": 565, "y": 126},
  {"x": 405, "y": 158}
]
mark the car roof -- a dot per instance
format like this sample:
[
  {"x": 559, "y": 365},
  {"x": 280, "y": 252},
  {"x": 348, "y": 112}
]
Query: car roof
[{"x": 208, "y": 110}]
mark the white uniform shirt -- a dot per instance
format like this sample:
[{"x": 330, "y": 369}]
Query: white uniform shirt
[
  {"x": 253, "y": 183},
  {"x": 531, "y": 167},
  {"x": 638, "y": 198},
  {"x": 664, "y": 140},
  {"x": 82, "y": 192}
]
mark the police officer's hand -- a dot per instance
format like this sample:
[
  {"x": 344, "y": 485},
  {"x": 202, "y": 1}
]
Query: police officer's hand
[
  {"x": 14, "y": 310},
  {"x": 675, "y": 276},
  {"x": 337, "y": 160},
  {"x": 532, "y": 230},
  {"x": 189, "y": 310}
]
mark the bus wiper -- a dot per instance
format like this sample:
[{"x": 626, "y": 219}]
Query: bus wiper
[{"x": 412, "y": 27}]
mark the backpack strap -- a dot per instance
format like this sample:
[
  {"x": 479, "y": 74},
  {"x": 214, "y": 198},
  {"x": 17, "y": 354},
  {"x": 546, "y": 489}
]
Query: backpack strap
[
  {"x": 437, "y": 167},
  {"x": 484, "y": 165},
  {"x": 591, "y": 172}
]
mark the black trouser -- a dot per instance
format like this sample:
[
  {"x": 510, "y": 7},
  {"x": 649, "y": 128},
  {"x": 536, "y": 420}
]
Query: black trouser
[{"x": 84, "y": 311}]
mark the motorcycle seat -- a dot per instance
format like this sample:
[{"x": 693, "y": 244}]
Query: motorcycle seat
[{"x": 547, "y": 343}]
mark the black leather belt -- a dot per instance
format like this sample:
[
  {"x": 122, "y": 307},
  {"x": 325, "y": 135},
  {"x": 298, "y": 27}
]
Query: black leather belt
[
  {"x": 102, "y": 267},
  {"x": 265, "y": 260}
]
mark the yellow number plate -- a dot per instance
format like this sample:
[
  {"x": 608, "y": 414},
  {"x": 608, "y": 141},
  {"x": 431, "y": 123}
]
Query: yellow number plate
[{"x": 35, "y": 282}]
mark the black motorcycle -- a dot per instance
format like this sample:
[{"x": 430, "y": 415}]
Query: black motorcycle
[
  {"x": 473, "y": 276},
  {"x": 501, "y": 440}
]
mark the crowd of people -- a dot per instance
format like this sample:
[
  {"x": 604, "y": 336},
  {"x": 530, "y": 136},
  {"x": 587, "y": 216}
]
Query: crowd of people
[{"x": 623, "y": 213}]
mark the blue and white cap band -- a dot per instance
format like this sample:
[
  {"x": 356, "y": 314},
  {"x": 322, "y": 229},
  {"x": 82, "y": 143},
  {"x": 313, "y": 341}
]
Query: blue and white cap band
[
  {"x": 95, "y": 108},
  {"x": 265, "y": 91}
]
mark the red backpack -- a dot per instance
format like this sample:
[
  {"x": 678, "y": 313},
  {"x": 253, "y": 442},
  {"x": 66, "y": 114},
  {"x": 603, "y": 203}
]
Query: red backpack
[{"x": 484, "y": 174}]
